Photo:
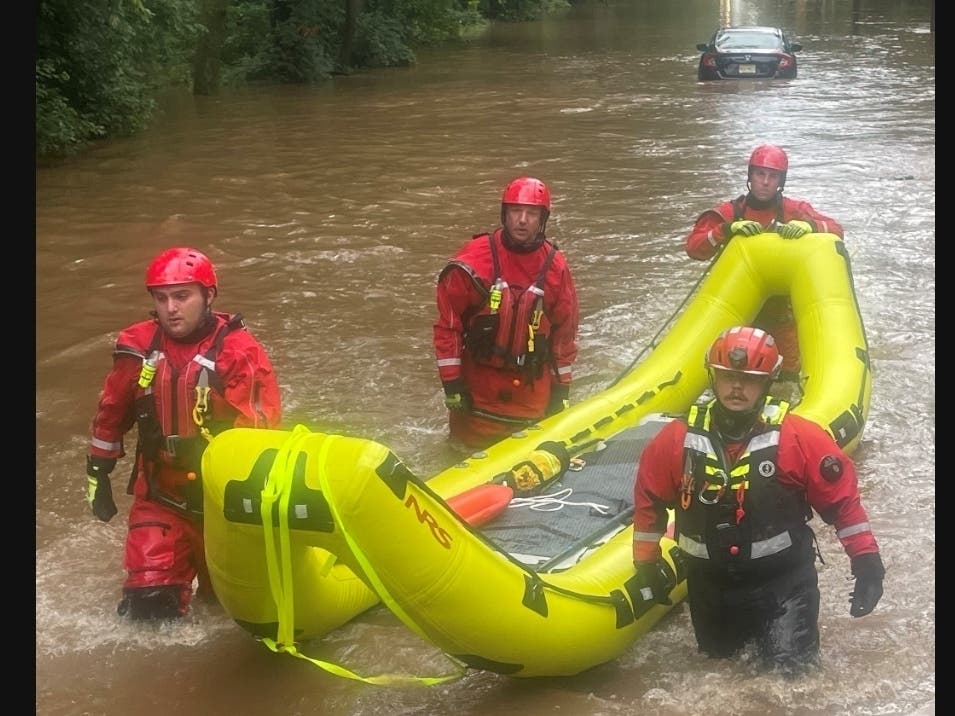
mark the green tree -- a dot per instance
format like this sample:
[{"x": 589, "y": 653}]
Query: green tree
[
  {"x": 99, "y": 62},
  {"x": 207, "y": 63}
]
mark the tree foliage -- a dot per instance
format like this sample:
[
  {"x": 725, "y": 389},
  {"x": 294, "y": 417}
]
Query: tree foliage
[{"x": 100, "y": 63}]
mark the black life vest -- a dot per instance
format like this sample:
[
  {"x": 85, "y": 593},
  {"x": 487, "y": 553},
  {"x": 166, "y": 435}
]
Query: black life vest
[{"x": 739, "y": 515}]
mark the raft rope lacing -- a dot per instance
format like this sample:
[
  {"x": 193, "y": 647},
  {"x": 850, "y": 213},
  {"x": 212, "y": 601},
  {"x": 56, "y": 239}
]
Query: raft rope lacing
[
  {"x": 555, "y": 501},
  {"x": 654, "y": 341}
]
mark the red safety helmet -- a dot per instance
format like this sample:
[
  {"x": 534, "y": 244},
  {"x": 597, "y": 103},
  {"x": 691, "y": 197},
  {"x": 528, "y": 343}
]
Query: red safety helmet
[
  {"x": 530, "y": 191},
  {"x": 769, "y": 156},
  {"x": 527, "y": 190},
  {"x": 180, "y": 265},
  {"x": 746, "y": 350}
]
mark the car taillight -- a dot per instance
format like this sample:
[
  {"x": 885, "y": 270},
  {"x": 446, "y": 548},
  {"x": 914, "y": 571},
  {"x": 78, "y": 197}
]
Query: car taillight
[
  {"x": 709, "y": 62},
  {"x": 785, "y": 62}
]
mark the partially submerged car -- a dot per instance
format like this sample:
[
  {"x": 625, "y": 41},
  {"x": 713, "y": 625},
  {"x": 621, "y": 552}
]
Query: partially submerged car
[{"x": 748, "y": 52}]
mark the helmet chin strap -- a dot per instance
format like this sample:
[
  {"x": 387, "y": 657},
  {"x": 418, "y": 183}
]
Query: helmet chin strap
[
  {"x": 521, "y": 247},
  {"x": 204, "y": 329},
  {"x": 734, "y": 425},
  {"x": 518, "y": 246},
  {"x": 753, "y": 201}
]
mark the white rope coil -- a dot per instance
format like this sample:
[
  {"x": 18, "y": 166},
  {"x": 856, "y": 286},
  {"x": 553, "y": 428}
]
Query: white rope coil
[{"x": 555, "y": 501}]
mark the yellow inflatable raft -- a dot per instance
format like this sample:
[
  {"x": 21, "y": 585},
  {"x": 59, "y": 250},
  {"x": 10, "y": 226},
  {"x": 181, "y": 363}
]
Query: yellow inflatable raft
[{"x": 347, "y": 524}]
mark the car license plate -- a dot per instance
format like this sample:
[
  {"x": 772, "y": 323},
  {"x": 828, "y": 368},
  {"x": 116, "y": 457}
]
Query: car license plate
[{"x": 747, "y": 69}]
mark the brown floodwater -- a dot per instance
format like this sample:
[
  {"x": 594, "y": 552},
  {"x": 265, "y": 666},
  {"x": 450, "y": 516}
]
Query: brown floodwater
[{"x": 330, "y": 210}]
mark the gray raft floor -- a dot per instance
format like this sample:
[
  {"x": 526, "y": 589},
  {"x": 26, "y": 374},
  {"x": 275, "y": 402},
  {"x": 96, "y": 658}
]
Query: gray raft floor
[{"x": 553, "y": 529}]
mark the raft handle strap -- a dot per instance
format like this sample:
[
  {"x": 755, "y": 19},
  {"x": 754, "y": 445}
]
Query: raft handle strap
[{"x": 279, "y": 488}]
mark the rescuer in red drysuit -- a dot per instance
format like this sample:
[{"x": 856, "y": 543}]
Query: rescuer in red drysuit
[
  {"x": 506, "y": 333},
  {"x": 180, "y": 377},
  {"x": 743, "y": 476},
  {"x": 764, "y": 209}
]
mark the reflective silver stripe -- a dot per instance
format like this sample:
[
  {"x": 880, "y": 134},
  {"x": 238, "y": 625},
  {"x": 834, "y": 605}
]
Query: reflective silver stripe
[
  {"x": 764, "y": 440},
  {"x": 126, "y": 351},
  {"x": 172, "y": 444},
  {"x": 762, "y": 548},
  {"x": 693, "y": 548},
  {"x": 536, "y": 290},
  {"x": 853, "y": 530},
  {"x": 205, "y": 362},
  {"x": 444, "y": 362},
  {"x": 647, "y": 537},
  {"x": 103, "y": 445},
  {"x": 709, "y": 237},
  {"x": 564, "y": 370},
  {"x": 766, "y": 547},
  {"x": 697, "y": 442}
]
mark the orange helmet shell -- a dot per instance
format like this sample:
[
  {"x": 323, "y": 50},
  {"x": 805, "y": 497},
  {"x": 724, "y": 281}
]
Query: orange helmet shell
[
  {"x": 745, "y": 350},
  {"x": 180, "y": 265}
]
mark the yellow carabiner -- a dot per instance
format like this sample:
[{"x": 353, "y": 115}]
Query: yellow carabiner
[
  {"x": 536, "y": 320},
  {"x": 200, "y": 409}
]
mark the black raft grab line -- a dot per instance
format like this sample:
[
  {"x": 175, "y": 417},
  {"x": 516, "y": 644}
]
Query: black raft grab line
[
  {"x": 397, "y": 476},
  {"x": 535, "y": 599},
  {"x": 242, "y": 498}
]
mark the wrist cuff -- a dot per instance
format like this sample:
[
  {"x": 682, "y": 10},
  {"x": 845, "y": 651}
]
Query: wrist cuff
[
  {"x": 454, "y": 387},
  {"x": 96, "y": 466}
]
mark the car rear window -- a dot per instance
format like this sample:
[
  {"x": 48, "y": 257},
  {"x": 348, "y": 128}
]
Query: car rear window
[{"x": 748, "y": 40}]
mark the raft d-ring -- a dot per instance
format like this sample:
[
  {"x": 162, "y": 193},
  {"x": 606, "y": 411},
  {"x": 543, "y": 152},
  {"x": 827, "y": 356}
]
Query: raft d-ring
[
  {"x": 714, "y": 487},
  {"x": 577, "y": 464}
]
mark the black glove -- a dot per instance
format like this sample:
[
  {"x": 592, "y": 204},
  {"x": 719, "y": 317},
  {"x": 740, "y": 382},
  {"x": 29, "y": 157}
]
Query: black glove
[
  {"x": 99, "y": 493},
  {"x": 744, "y": 227},
  {"x": 794, "y": 229},
  {"x": 559, "y": 399},
  {"x": 655, "y": 580},
  {"x": 868, "y": 571},
  {"x": 456, "y": 395},
  {"x": 679, "y": 560}
]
